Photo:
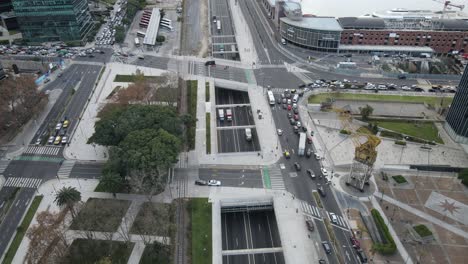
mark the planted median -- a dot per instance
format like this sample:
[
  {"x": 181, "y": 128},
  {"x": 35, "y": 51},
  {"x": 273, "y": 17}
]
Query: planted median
[{"x": 388, "y": 246}]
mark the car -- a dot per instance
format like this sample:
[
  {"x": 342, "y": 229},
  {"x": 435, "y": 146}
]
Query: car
[
  {"x": 324, "y": 171},
  {"x": 289, "y": 101},
  {"x": 294, "y": 90},
  {"x": 296, "y": 129},
  {"x": 59, "y": 75},
  {"x": 317, "y": 156},
  {"x": 355, "y": 243},
  {"x": 333, "y": 218},
  {"x": 401, "y": 76},
  {"x": 301, "y": 94},
  {"x": 326, "y": 246},
  {"x": 309, "y": 139},
  {"x": 201, "y": 182},
  {"x": 286, "y": 154},
  {"x": 298, "y": 124},
  {"x": 62, "y": 132},
  {"x": 322, "y": 261},
  {"x": 309, "y": 152},
  {"x": 288, "y": 95},
  {"x": 214, "y": 183},
  {"x": 47, "y": 80},
  {"x": 295, "y": 106},
  {"x": 285, "y": 106},
  {"x": 282, "y": 96},
  {"x": 290, "y": 115},
  {"x": 289, "y": 107},
  {"x": 292, "y": 121},
  {"x": 310, "y": 225},
  {"x": 304, "y": 129},
  {"x": 311, "y": 173},
  {"x": 51, "y": 140},
  {"x": 284, "y": 100},
  {"x": 361, "y": 255},
  {"x": 38, "y": 141},
  {"x": 296, "y": 117},
  {"x": 280, "y": 132},
  {"x": 297, "y": 166},
  {"x": 64, "y": 140},
  {"x": 321, "y": 190},
  {"x": 58, "y": 139},
  {"x": 278, "y": 101},
  {"x": 296, "y": 111},
  {"x": 58, "y": 126}
]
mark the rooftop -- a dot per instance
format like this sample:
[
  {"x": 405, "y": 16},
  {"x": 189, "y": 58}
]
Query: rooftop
[
  {"x": 153, "y": 28},
  {"x": 390, "y": 49},
  {"x": 410, "y": 24},
  {"x": 319, "y": 23}
]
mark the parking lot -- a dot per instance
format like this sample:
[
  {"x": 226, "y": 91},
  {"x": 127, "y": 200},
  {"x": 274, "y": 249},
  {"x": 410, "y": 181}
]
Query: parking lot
[
  {"x": 222, "y": 31},
  {"x": 226, "y": 96},
  {"x": 241, "y": 116},
  {"x": 250, "y": 230},
  {"x": 233, "y": 177}
]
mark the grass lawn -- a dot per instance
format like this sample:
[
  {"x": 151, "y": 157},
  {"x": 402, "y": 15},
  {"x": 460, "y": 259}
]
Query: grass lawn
[
  {"x": 156, "y": 253},
  {"x": 207, "y": 92},
  {"x": 399, "y": 179},
  {"x": 422, "y": 230},
  {"x": 315, "y": 99},
  {"x": 317, "y": 199},
  {"x": 390, "y": 134},
  {"x": 88, "y": 251},
  {"x": 95, "y": 210},
  {"x": 424, "y": 130},
  {"x": 208, "y": 133},
  {"x": 201, "y": 231},
  {"x": 154, "y": 219},
  {"x": 192, "y": 110},
  {"x": 21, "y": 230}
]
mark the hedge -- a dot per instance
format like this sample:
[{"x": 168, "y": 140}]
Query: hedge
[
  {"x": 422, "y": 230},
  {"x": 345, "y": 132},
  {"x": 388, "y": 247},
  {"x": 463, "y": 175},
  {"x": 400, "y": 142},
  {"x": 399, "y": 179}
]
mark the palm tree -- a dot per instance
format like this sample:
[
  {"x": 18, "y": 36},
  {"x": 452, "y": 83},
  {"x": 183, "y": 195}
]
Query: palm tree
[{"x": 68, "y": 197}]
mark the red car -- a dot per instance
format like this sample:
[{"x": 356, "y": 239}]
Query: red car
[
  {"x": 309, "y": 140},
  {"x": 296, "y": 117},
  {"x": 289, "y": 107},
  {"x": 355, "y": 243}
]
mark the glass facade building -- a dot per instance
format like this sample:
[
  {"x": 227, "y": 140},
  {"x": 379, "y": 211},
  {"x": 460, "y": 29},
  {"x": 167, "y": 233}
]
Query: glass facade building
[
  {"x": 457, "y": 118},
  {"x": 316, "y": 33},
  {"x": 5, "y": 6},
  {"x": 53, "y": 20}
]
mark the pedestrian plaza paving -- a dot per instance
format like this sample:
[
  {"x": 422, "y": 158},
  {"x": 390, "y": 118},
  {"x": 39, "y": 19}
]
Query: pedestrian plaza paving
[
  {"x": 65, "y": 169},
  {"x": 22, "y": 182},
  {"x": 3, "y": 165}
]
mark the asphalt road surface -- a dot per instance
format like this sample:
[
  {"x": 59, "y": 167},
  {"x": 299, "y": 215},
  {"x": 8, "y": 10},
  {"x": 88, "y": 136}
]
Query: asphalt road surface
[
  {"x": 233, "y": 140},
  {"x": 227, "y": 96},
  {"x": 233, "y": 177},
  {"x": 223, "y": 39},
  {"x": 241, "y": 116},
  {"x": 265, "y": 258},
  {"x": 87, "y": 170},
  {"x": 192, "y": 34}
]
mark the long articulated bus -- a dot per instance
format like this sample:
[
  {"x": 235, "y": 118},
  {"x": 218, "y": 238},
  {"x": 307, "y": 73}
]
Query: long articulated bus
[
  {"x": 142, "y": 25},
  {"x": 166, "y": 20},
  {"x": 271, "y": 98},
  {"x": 141, "y": 34}
]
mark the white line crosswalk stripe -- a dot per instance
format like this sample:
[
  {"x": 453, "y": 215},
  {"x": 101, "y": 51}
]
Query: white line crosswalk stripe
[
  {"x": 43, "y": 150},
  {"x": 22, "y": 182},
  {"x": 65, "y": 169},
  {"x": 276, "y": 178},
  {"x": 310, "y": 210}
]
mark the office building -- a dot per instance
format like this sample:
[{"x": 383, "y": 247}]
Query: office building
[
  {"x": 51, "y": 20},
  {"x": 456, "y": 123}
]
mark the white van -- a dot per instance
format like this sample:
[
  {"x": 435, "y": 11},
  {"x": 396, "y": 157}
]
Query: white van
[
  {"x": 295, "y": 98},
  {"x": 248, "y": 134},
  {"x": 221, "y": 114},
  {"x": 283, "y": 41}
]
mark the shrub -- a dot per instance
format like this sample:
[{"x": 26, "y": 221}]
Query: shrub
[
  {"x": 399, "y": 179},
  {"x": 463, "y": 175},
  {"x": 422, "y": 230},
  {"x": 160, "y": 38},
  {"x": 400, "y": 142},
  {"x": 345, "y": 132},
  {"x": 388, "y": 247},
  {"x": 390, "y": 134}
]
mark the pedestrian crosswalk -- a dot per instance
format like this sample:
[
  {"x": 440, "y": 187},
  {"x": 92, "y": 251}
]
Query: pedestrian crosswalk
[
  {"x": 22, "y": 182},
  {"x": 276, "y": 178},
  {"x": 310, "y": 209},
  {"x": 42, "y": 150},
  {"x": 340, "y": 221},
  {"x": 65, "y": 169},
  {"x": 3, "y": 165}
]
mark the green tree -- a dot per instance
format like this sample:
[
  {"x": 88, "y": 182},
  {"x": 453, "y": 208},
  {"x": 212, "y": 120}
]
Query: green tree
[
  {"x": 68, "y": 197},
  {"x": 112, "y": 182},
  {"x": 119, "y": 34},
  {"x": 366, "y": 111}
]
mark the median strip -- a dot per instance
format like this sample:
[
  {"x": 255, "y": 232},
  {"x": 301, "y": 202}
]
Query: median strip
[{"x": 266, "y": 178}]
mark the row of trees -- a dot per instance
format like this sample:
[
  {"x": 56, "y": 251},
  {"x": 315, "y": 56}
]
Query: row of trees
[
  {"x": 144, "y": 141},
  {"x": 19, "y": 98}
]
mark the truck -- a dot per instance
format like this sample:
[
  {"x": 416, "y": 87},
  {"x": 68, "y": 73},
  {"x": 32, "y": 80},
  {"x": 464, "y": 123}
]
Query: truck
[
  {"x": 302, "y": 144},
  {"x": 248, "y": 134},
  {"x": 229, "y": 114},
  {"x": 218, "y": 25},
  {"x": 221, "y": 114}
]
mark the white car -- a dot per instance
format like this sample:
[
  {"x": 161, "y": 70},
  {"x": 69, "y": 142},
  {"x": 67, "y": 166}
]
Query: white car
[
  {"x": 324, "y": 171},
  {"x": 214, "y": 183},
  {"x": 334, "y": 218},
  {"x": 280, "y": 132},
  {"x": 406, "y": 88},
  {"x": 317, "y": 156},
  {"x": 58, "y": 126}
]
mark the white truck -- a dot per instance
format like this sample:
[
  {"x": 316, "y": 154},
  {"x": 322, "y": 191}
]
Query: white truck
[
  {"x": 302, "y": 144},
  {"x": 221, "y": 114},
  {"x": 229, "y": 114}
]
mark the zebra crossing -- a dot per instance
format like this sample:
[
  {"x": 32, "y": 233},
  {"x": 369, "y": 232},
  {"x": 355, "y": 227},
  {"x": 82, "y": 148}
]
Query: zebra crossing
[
  {"x": 276, "y": 178},
  {"x": 341, "y": 222},
  {"x": 3, "y": 165},
  {"x": 22, "y": 182},
  {"x": 43, "y": 150},
  {"x": 65, "y": 169},
  {"x": 310, "y": 210}
]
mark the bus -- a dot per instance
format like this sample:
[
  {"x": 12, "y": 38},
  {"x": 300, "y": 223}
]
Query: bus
[
  {"x": 271, "y": 98},
  {"x": 141, "y": 34},
  {"x": 167, "y": 27},
  {"x": 166, "y": 20},
  {"x": 144, "y": 19},
  {"x": 143, "y": 25},
  {"x": 137, "y": 42},
  {"x": 218, "y": 25},
  {"x": 165, "y": 23}
]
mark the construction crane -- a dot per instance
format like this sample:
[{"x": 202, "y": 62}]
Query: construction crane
[
  {"x": 365, "y": 154},
  {"x": 447, "y": 5}
]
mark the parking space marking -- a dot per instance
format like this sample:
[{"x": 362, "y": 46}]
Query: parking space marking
[{"x": 293, "y": 174}]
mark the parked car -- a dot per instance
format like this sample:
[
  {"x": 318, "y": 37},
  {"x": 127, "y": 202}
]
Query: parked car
[
  {"x": 361, "y": 255},
  {"x": 64, "y": 140},
  {"x": 326, "y": 246},
  {"x": 296, "y": 117},
  {"x": 296, "y": 129},
  {"x": 324, "y": 171},
  {"x": 280, "y": 132},
  {"x": 310, "y": 225},
  {"x": 66, "y": 123},
  {"x": 292, "y": 121},
  {"x": 214, "y": 183},
  {"x": 289, "y": 107},
  {"x": 295, "y": 110},
  {"x": 38, "y": 141},
  {"x": 355, "y": 243},
  {"x": 201, "y": 182}
]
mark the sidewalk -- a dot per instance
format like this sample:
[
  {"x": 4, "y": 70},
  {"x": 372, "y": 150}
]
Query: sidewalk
[{"x": 247, "y": 52}]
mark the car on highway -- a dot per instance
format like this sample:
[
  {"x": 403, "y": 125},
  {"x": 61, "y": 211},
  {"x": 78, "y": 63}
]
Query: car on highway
[
  {"x": 51, "y": 140},
  {"x": 297, "y": 166},
  {"x": 333, "y": 218},
  {"x": 66, "y": 123},
  {"x": 298, "y": 124},
  {"x": 311, "y": 174},
  {"x": 321, "y": 190},
  {"x": 58, "y": 139},
  {"x": 290, "y": 115},
  {"x": 214, "y": 183},
  {"x": 58, "y": 126},
  {"x": 64, "y": 140},
  {"x": 292, "y": 121},
  {"x": 309, "y": 152},
  {"x": 324, "y": 171},
  {"x": 317, "y": 156},
  {"x": 296, "y": 117},
  {"x": 296, "y": 111},
  {"x": 355, "y": 243},
  {"x": 361, "y": 255},
  {"x": 285, "y": 106},
  {"x": 279, "y": 131},
  {"x": 310, "y": 225},
  {"x": 287, "y": 155},
  {"x": 201, "y": 182},
  {"x": 296, "y": 129},
  {"x": 289, "y": 107},
  {"x": 326, "y": 246},
  {"x": 309, "y": 140}
]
